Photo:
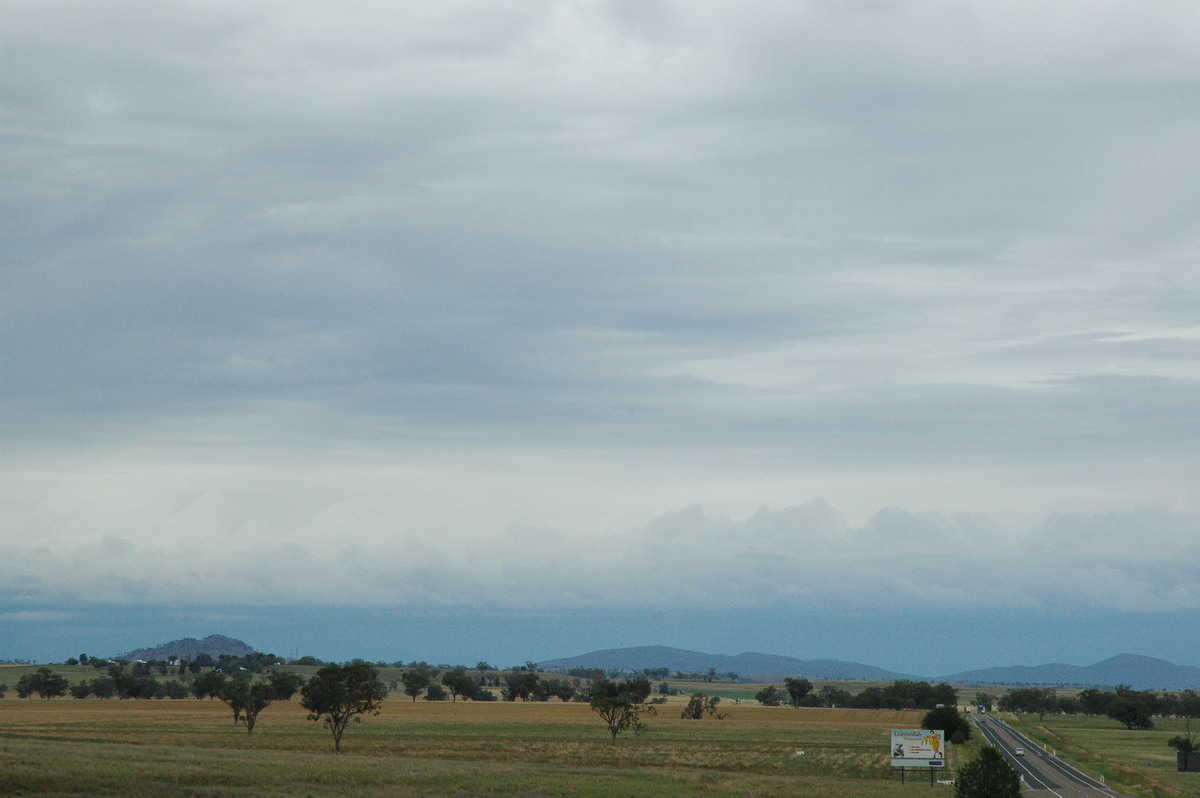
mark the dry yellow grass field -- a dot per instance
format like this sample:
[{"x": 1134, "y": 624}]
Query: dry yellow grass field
[{"x": 438, "y": 748}]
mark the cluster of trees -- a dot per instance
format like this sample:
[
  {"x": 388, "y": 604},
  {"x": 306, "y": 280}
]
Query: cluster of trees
[
  {"x": 796, "y": 692},
  {"x": 45, "y": 682},
  {"x": 255, "y": 662},
  {"x": 522, "y": 683},
  {"x": 710, "y": 675},
  {"x": 902, "y": 694},
  {"x": 281, "y": 685},
  {"x": 1135, "y": 709},
  {"x": 458, "y": 682},
  {"x": 117, "y": 682},
  {"x": 619, "y": 704},
  {"x": 529, "y": 686},
  {"x": 455, "y": 683},
  {"x": 905, "y": 694},
  {"x": 336, "y": 695},
  {"x": 700, "y": 705},
  {"x": 123, "y": 681},
  {"x": 1039, "y": 700}
]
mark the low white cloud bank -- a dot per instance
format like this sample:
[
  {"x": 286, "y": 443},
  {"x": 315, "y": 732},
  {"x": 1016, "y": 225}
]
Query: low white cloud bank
[{"x": 807, "y": 555}]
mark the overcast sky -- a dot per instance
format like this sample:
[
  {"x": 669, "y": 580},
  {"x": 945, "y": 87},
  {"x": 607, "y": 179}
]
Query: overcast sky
[{"x": 830, "y": 317}]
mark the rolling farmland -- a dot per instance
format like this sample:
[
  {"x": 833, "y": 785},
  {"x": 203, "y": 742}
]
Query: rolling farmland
[{"x": 192, "y": 748}]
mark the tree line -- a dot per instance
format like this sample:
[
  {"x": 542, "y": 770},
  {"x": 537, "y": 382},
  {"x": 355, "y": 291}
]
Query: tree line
[
  {"x": 337, "y": 695},
  {"x": 1136, "y": 709},
  {"x": 900, "y": 694}
]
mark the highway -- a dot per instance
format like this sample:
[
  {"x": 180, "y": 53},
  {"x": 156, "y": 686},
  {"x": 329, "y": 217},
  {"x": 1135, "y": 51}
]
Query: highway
[{"x": 1044, "y": 774}]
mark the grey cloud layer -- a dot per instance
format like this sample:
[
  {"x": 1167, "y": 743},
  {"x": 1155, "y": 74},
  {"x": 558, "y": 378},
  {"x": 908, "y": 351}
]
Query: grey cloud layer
[{"x": 936, "y": 256}]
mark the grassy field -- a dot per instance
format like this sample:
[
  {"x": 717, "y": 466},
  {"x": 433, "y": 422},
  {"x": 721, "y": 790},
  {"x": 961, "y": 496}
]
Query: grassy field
[
  {"x": 1135, "y": 762},
  {"x": 191, "y": 748}
]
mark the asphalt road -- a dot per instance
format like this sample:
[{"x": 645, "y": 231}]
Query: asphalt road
[{"x": 1045, "y": 774}]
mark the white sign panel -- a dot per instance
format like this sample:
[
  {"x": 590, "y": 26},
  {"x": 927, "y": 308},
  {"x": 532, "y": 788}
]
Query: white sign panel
[{"x": 918, "y": 748}]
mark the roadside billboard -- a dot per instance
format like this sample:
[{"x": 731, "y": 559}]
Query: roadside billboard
[{"x": 918, "y": 748}]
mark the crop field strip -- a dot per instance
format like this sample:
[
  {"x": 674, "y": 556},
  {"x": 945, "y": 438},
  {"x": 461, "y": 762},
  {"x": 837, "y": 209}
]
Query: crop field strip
[{"x": 192, "y": 748}]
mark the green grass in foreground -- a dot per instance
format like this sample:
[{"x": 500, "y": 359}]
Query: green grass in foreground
[
  {"x": 154, "y": 771},
  {"x": 1133, "y": 762},
  {"x": 191, "y": 748}
]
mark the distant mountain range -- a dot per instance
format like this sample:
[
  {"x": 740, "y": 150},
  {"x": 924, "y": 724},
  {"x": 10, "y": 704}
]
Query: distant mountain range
[
  {"x": 1140, "y": 673},
  {"x": 674, "y": 659},
  {"x": 189, "y": 648}
]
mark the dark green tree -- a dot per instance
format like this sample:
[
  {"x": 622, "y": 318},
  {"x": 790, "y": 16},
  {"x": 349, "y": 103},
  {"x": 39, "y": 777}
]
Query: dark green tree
[
  {"x": 987, "y": 776},
  {"x": 51, "y": 684},
  {"x": 458, "y": 683},
  {"x": 1188, "y": 708},
  {"x": 769, "y": 696},
  {"x": 339, "y": 694},
  {"x": 700, "y": 705},
  {"x": 247, "y": 699},
  {"x": 949, "y": 720},
  {"x": 1133, "y": 713},
  {"x": 620, "y": 705},
  {"x": 639, "y": 689},
  {"x": 219, "y": 686},
  {"x": 1094, "y": 701},
  {"x": 208, "y": 684},
  {"x": 831, "y": 696},
  {"x": 103, "y": 686},
  {"x": 1184, "y": 744},
  {"x": 941, "y": 693},
  {"x": 797, "y": 690},
  {"x": 546, "y": 689},
  {"x": 520, "y": 684},
  {"x": 171, "y": 688},
  {"x": 415, "y": 681},
  {"x": 285, "y": 684}
]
